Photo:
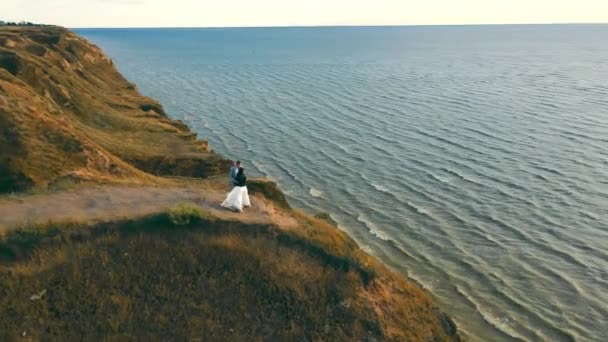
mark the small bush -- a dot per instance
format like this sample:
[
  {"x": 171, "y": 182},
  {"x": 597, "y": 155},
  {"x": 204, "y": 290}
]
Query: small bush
[
  {"x": 185, "y": 214},
  {"x": 31, "y": 234},
  {"x": 22, "y": 241}
]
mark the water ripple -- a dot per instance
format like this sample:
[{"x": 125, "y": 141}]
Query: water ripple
[{"x": 477, "y": 168}]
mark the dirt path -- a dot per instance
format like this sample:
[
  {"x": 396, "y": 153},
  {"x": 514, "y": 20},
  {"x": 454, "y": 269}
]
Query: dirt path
[{"x": 114, "y": 202}]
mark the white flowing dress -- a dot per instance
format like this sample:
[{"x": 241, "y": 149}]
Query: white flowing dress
[{"x": 237, "y": 199}]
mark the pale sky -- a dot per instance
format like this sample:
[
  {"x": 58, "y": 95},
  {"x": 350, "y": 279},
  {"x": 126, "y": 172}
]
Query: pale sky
[{"x": 222, "y": 13}]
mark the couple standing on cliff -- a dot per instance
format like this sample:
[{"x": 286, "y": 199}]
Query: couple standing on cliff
[{"x": 238, "y": 196}]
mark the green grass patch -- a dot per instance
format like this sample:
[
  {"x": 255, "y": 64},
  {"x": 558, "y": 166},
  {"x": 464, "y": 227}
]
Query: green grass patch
[{"x": 186, "y": 214}]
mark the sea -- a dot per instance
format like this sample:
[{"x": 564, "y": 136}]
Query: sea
[{"x": 472, "y": 159}]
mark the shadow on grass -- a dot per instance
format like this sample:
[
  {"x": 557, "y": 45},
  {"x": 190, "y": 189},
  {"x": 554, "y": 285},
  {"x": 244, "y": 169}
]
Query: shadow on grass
[{"x": 17, "y": 245}]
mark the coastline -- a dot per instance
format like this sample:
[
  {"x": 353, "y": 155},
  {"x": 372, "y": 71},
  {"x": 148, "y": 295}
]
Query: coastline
[
  {"x": 485, "y": 211},
  {"x": 87, "y": 155},
  {"x": 447, "y": 177}
]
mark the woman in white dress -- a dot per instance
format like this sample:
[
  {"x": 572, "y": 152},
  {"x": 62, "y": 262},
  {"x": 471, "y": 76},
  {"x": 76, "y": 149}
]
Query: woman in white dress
[{"x": 239, "y": 196}]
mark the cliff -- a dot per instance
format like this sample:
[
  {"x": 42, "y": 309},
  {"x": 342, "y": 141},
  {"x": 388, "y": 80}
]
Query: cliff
[
  {"x": 65, "y": 111},
  {"x": 129, "y": 253}
]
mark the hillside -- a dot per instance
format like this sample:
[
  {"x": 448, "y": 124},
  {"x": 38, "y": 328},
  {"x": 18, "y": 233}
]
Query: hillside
[
  {"x": 99, "y": 240},
  {"x": 66, "y": 112}
]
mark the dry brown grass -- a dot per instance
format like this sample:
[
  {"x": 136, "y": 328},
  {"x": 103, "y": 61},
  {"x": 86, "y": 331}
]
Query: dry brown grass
[
  {"x": 322, "y": 234},
  {"x": 187, "y": 275},
  {"x": 66, "y": 112}
]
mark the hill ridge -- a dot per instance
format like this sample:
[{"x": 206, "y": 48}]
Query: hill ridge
[{"x": 66, "y": 112}]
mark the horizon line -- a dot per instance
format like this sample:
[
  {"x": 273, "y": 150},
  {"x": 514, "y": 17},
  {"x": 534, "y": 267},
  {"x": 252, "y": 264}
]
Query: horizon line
[{"x": 330, "y": 26}]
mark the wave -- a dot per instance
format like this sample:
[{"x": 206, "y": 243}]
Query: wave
[
  {"x": 443, "y": 179},
  {"x": 463, "y": 176},
  {"x": 538, "y": 243},
  {"x": 502, "y": 324},
  {"x": 549, "y": 170},
  {"x": 421, "y": 210},
  {"x": 288, "y": 172},
  {"x": 524, "y": 176},
  {"x": 315, "y": 193},
  {"x": 372, "y": 228},
  {"x": 261, "y": 168},
  {"x": 380, "y": 188},
  {"x": 429, "y": 285}
]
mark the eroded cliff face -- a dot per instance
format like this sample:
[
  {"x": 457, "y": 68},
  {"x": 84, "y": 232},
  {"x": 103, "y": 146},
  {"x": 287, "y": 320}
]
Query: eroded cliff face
[{"x": 66, "y": 112}]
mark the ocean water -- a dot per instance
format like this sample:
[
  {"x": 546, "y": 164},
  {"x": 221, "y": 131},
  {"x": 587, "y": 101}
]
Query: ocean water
[{"x": 473, "y": 159}]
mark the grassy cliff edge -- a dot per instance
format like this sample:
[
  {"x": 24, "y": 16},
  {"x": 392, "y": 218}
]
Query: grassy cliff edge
[{"x": 187, "y": 272}]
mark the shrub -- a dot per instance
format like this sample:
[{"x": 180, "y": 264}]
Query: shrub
[{"x": 185, "y": 214}]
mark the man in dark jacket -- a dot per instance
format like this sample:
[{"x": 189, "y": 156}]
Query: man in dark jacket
[{"x": 233, "y": 171}]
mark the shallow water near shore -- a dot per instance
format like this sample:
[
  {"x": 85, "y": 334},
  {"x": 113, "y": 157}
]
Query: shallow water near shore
[{"x": 473, "y": 159}]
